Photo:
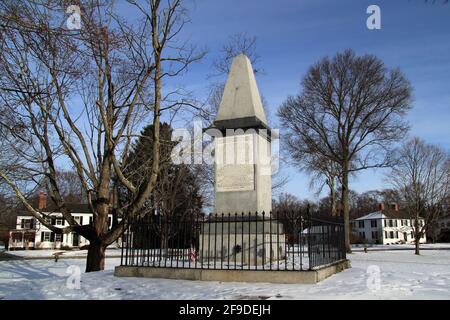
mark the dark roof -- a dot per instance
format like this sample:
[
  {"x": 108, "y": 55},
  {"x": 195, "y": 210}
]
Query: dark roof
[
  {"x": 74, "y": 207},
  {"x": 393, "y": 214}
]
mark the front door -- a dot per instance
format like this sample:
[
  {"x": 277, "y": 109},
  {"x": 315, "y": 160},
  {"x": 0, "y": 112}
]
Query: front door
[{"x": 75, "y": 241}]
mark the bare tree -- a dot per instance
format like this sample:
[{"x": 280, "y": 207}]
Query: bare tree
[
  {"x": 293, "y": 213},
  {"x": 422, "y": 178},
  {"x": 176, "y": 197},
  {"x": 82, "y": 95},
  {"x": 350, "y": 111},
  {"x": 237, "y": 43}
]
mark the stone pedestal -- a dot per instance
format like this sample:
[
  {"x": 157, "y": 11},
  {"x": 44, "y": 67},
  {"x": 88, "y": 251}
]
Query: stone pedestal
[
  {"x": 242, "y": 178},
  {"x": 251, "y": 242}
]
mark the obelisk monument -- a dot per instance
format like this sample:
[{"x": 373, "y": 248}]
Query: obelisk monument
[{"x": 242, "y": 155}]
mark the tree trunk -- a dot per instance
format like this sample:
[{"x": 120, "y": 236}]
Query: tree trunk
[
  {"x": 417, "y": 236},
  {"x": 333, "y": 197},
  {"x": 417, "y": 251},
  {"x": 96, "y": 257},
  {"x": 346, "y": 208}
]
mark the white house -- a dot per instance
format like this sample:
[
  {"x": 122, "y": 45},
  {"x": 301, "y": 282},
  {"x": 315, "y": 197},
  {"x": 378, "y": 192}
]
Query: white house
[
  {"x": 386, "y": 226},
  {"x": 31, "y": 234}
]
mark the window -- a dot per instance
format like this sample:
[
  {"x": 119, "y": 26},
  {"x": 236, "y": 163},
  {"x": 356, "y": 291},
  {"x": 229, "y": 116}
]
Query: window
[
  {"x": 373, "y": 223},
  {"x": 391, "y": 223},
  {"x": 45, "y": 236},
  {"x": 386, "y": 235},
  {"x": 27, "y": 223},
  {"x": 59, "y": 222},
  {"x": 406, "y": 223},
  {"x": 396, "y": 234},
  {"x": 401, "y": 223},
  {"x": 362, "y": 234},
  {"x": 395, "y": 221},
  {"x": 375, "y": 235},
  {"x": 384, "y": 223},
  {"x": 391, "y": 234},
  {"x": 58, "y": 237},
  {"x": 361, "y": 224},
  {"x": 90, "y": 220},
  {"x": 79, "y": 219}
]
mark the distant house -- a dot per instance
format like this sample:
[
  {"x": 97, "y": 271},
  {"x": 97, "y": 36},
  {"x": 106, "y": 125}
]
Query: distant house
[
  {"x": 386, "y": 226},
  {"x": 31, "y": 234}
]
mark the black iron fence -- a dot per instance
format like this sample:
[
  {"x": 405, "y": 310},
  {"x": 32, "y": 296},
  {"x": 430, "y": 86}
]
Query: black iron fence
[{"x": 276, "y": 241}]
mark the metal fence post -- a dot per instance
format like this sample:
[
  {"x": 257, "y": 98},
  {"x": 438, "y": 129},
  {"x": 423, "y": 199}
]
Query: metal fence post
[{"x": 308, "y": 214}]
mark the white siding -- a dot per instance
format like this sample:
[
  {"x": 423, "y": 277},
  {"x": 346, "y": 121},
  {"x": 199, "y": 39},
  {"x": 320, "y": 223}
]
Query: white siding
[
  {"x": 39, "y": 229},
  {"x": 390, "y": 231}
]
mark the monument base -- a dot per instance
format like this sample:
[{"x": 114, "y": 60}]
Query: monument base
[
  {"x": 304, "y": 277},
  {"x": 245, "y": 242}
]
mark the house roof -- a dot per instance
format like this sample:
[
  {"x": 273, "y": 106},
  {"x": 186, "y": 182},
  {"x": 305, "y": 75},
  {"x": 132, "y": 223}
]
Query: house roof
[
  {"x": 386, "y": 214},
  {"x": 373, "y": 215},
  {"x": 73, "y": 207}
]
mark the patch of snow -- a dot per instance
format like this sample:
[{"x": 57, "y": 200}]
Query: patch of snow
[
  {"x": 403, "y": 275},
  {"x": 65, "y": 253}
]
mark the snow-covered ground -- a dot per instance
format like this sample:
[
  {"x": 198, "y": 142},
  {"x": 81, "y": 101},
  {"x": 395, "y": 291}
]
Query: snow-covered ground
[
  {"x": 113, "y": 252},
  {"x": 426, "y": 246},
  {"x": 402, "y": 275}
]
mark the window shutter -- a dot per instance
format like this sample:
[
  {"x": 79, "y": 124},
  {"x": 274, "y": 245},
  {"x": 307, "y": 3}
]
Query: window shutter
[
  {"x": 53, "y": 221},
  {"x": 22, "y": 223},
  {"x": 52, "y": 237},
  {"x": 42, "y": 237},
  {"x": 81, "y": 220}
]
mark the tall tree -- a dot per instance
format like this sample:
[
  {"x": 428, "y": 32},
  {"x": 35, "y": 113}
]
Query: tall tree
[
  {"x": 83, "y": 94},
  {"x": 350, "y": 111},
  {"x": 176, "y": 195},
  {"x": 422, "y": 178}
]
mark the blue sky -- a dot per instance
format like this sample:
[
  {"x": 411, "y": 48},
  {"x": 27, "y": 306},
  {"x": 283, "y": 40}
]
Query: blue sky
[{"x": 292, "y": 35}]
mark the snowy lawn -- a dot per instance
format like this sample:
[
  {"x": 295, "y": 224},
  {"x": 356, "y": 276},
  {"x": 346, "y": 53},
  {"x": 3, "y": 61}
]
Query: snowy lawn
[
  {"x": 402, "y": 276},
  {"x": 114, "y": 252},
  {"x": 426, "y": 246}
]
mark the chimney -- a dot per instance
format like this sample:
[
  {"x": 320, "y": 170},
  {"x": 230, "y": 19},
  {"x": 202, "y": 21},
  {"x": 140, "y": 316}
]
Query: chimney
[
  {"x": 394, "y": 206},
  {"x": 382, "y": 206},
  {"x": 42, "y": 200}
]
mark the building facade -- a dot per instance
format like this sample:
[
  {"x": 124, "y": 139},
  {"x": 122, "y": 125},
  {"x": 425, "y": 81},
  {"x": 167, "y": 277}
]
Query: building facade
[
  {"x": 31, "y": 234},
  {"x": 386, "y": 226}
]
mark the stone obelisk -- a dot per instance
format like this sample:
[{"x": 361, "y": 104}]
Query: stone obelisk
[
  {"x": 239, "y": 231},
  {"x": 242, "y": 154}
]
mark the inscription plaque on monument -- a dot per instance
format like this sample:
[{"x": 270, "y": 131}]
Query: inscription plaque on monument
[
  {"x": 235, "y": 170},
  {"x": 235, "y": 177}
]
